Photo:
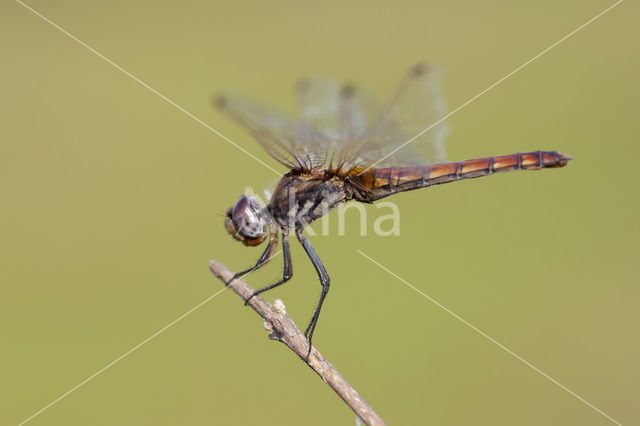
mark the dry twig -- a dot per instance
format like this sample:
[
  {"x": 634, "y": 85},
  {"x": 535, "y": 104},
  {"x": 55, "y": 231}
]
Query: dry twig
[{"x": 282, "y": 329}]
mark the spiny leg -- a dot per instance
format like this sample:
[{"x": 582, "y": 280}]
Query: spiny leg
[
  {"x": 265, "y": 257},
  {"x": 324, "y": 282},
  {"x": 288, "y": 268}
]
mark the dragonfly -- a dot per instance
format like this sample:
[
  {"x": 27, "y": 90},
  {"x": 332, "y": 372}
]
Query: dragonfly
[{"x": 343, "y": 146}]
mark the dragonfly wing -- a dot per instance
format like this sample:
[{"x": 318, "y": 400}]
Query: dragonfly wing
[
  {"x": 416, "y": 105},
  {"x": 344, "y": 129},
  {"x": 341, "y": 111},
  {"x": 292, "y": 143},
  {"x": 344, "y": 114},
  {"x": 318, "y": 99}
]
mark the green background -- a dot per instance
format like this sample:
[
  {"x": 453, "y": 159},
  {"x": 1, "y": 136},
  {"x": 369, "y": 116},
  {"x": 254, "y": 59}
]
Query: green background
[{"x": 112, "y": 204}]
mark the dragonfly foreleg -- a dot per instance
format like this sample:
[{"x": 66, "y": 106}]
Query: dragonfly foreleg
[
  {"x": 324, "y": 282},
  {"x": 265, "y": 257},
  {"x": 287, "y": 272}
]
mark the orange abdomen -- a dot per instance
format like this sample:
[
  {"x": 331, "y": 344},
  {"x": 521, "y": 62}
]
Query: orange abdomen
[{"x": 374, "y": 184}]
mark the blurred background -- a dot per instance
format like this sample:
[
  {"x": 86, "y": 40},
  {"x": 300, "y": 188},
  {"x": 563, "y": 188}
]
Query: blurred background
[{"x": 112, "y": 204}]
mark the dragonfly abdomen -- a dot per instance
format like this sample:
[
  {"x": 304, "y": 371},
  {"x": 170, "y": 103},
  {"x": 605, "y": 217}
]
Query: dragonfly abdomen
[{"x": 382, "y": 182}]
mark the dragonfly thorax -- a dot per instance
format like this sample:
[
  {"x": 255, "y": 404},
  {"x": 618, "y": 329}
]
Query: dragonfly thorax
[{"x": 299, "y": 199}]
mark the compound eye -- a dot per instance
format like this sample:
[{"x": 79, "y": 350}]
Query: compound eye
[{"x": 246, "y": 218}]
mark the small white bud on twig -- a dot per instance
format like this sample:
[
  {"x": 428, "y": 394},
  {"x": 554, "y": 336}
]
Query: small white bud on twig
[
  {"x": 278, "y": 305},
  {"x": 282, "y": 329}
]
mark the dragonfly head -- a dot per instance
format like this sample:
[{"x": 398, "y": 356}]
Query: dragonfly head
[{"x": 246, "y": 223}]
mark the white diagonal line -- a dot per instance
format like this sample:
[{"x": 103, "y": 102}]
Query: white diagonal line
[
  {"x": 133, "y": 349},
  {"x": 500, "y": 345},
  {"x": 494, "y": 84},
  {"x": 121, "y": 357},
  {"x": 148, "y": 87}
]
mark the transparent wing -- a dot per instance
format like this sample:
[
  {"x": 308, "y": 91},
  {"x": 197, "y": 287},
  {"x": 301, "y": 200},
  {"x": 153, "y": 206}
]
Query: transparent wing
[
  {"x": 318, "y": 103},
  {"x": 345, "y": 129},
  {"x": 417, "y": 104},
  {"x": 344, "y": 114},
  {"x": 292, "y": 143}
]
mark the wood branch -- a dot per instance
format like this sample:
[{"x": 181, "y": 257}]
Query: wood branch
[{"x": 282, "y": 329}]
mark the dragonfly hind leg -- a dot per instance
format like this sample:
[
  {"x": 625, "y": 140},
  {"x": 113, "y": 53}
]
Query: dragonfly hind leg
[
  {"x": 324, "y": 282},
  {"x": 286, "y": 274}
]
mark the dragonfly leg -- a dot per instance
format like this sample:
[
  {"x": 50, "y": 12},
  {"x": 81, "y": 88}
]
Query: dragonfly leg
[
  {"x": 265, "y": 257},
  {"x": 288, "y": 268},
  {"x": 324, "y": 282}
]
